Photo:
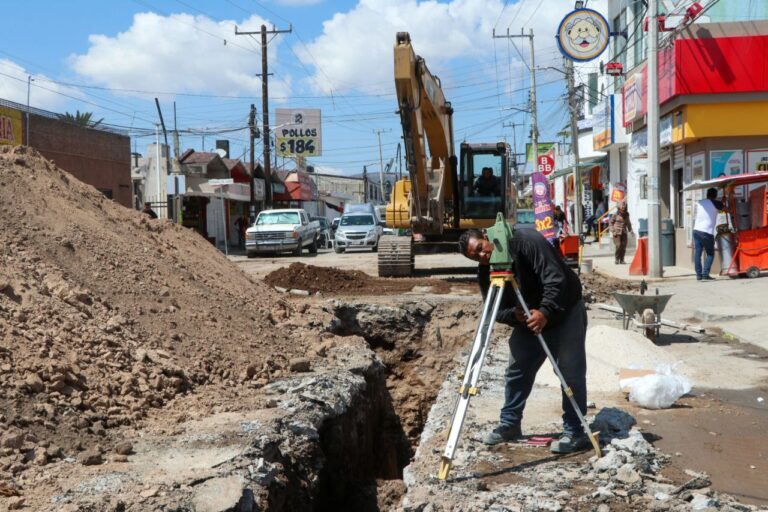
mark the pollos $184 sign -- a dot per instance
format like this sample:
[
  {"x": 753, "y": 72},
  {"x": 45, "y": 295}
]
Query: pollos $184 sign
[
  {"x": 542, "y": 206},
  {"x": 298, "y": 132},
  {"x": 583, "y": 35}
]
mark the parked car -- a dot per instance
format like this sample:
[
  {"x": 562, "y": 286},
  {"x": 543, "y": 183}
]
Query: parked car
[
  {"x": 325, "y": 240},
  {"x": 357, "y": 230},
  {"x": 281, "y": 231}
]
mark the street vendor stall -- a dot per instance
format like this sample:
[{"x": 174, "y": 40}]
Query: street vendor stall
[{"x": 743, "y": 235}]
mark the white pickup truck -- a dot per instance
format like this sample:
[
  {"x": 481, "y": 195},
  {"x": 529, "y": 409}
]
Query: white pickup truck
[{"x": 281, "y": 231}]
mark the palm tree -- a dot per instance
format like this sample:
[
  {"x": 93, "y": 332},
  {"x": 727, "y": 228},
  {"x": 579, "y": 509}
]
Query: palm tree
[{"x": 81, "y": 119}]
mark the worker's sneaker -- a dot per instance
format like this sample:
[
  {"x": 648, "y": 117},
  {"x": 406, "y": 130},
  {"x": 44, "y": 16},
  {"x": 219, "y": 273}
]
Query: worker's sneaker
[
  {"x": 503, "y": 433},
  {"x": 570, "y": 443}
]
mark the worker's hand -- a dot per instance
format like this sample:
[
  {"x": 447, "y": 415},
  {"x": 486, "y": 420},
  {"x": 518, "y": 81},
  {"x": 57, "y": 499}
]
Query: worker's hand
[
  {"x": 520, "y": 314},
  {"x": 537, "y": 321}
]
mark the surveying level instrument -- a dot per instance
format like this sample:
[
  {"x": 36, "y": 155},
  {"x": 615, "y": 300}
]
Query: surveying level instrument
[{"x": 502, "y": 265}]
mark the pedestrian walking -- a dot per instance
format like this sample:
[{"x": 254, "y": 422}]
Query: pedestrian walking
[
  {"x": 620, "y": 225},
  {"x": 242, "y": 225},
  {"x": 704, "y": 233}
]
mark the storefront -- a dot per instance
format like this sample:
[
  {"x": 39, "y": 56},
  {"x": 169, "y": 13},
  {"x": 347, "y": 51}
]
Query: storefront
[
  {"x": 213, "y": 211},
  {"x": 300, "y": 192}
]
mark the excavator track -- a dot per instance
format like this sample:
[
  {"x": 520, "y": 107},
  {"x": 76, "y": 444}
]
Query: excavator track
[{"x": 395, "y": 256}]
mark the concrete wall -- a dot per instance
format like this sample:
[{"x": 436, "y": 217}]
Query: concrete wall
[{"x": 98, "y": 158}]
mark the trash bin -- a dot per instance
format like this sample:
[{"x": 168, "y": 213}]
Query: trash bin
[
  {"x": 642, "y": 228},
  {"x": 726, "y": 243},
  {"x": 667, "y": 242}
]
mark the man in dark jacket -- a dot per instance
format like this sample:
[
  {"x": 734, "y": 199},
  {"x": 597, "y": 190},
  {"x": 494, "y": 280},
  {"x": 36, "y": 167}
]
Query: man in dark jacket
[{"x": 553, "y": 294}]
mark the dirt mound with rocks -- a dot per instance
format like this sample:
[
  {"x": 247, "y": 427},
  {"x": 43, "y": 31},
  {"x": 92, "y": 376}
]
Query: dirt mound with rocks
[
  {"x": 106, "y": 314},
  {"x": 345, "y": 282},
  {"x": 600, "y": 288}
]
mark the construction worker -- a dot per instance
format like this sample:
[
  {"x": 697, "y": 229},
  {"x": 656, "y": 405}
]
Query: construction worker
[{"x": 553, "y": 294}]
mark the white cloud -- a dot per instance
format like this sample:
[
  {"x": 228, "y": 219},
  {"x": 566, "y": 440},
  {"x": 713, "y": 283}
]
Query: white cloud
[
  {"x": 355, "y": 49},
  {"x": 180, "y": 53},
  {"x": 43, "y": 93}
]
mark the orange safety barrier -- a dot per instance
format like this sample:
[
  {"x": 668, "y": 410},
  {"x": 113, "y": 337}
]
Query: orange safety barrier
[{"x": 639, "y": 265}]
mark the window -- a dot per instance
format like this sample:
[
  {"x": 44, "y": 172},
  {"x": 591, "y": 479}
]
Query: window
[
  {"x": 482, "y": 190},
  {"x": 357, "y": 220},
  {"x": 278, "y": 218},
  {"x": 637, "y": 34},
  {"x": 619, "y": 45}
]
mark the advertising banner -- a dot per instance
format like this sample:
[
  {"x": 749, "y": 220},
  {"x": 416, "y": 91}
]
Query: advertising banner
[
  {"x": 757, "y": 161},
  {"x": 618, "y": 193},
  {"x": 583, "y": 35},
  {"x": 542, "y": 206},
  {"x": 548, "y": 149},
  {"x": 726, "y": 163},
  {"x": 602, "y": 124},
  {"x": 10, "y": 126},
  {"x": 298, "y": 132}
]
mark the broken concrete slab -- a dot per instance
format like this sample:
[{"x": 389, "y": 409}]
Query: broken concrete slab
[{"x": 219, "y": 494}]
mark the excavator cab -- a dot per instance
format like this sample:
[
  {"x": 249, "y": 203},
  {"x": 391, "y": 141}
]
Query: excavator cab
[{"x": 485, "y": 184}]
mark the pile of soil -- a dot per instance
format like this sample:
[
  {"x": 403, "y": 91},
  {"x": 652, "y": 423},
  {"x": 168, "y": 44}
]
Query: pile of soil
[
  {"x": 600, "y": 288},
  {"x": 106, "y": 314},
  {"x": 345, "y": 282}
]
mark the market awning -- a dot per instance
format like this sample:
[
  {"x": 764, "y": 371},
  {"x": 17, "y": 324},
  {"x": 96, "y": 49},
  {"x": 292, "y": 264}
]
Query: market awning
[
  {"x": 728, "y": 181},
  {"x": 584, "y": 163},
  {"x": 199, "y": 187}
]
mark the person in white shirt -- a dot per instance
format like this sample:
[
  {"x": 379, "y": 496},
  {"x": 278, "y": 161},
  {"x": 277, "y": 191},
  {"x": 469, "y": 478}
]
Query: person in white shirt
[{"x": 704, "y": 233}]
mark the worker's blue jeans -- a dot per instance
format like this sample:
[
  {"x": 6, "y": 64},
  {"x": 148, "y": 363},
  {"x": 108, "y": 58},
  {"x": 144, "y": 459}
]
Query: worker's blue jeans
[
  {"x": 566, "y": 342},
  {"x": 705, "y": 241}
]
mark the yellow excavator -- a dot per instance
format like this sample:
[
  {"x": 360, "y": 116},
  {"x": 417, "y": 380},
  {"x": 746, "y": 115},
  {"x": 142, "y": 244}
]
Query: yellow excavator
[{"x": 439, "y": 198}]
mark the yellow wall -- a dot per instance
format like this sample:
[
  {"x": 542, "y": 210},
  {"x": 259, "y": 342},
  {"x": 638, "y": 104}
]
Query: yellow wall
[
  {"x": 722, "y": 120},
  {"x": 10, "y": 126}
]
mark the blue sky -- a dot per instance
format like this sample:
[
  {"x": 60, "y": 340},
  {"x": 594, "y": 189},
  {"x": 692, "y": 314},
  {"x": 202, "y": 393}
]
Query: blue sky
[{"x": 114, "y": 57}]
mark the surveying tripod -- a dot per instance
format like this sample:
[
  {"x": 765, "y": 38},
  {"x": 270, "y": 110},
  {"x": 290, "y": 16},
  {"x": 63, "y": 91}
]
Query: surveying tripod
[{"x": 501, "y": 276}]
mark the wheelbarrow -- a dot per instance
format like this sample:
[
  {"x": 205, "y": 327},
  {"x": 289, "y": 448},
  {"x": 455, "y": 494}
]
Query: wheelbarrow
[{"x": 643, "y": 310}]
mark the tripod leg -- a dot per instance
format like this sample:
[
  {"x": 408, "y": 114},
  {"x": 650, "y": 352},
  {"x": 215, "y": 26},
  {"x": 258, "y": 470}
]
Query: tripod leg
[
  {"x": 566, "y": 388},
  {"x": 471, "y": 375}
]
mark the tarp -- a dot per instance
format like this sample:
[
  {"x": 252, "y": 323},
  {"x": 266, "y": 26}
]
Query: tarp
[{"x": 726, "y": 181}]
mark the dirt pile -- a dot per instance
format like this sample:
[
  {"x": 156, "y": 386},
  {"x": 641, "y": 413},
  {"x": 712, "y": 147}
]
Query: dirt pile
[
  {"x": 600, "y": 288},
  {"x": 345, "y": 282},
  {"x": 106, "y": 313}
]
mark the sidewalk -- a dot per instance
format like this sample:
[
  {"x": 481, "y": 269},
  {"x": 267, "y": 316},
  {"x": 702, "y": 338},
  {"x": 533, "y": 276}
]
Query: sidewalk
[{"x": 737, "y": 306}]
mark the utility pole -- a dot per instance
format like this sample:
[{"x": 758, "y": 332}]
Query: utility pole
[
  {"x": 365, "y": 184},
  {"x": 265, "y": 103},
  {"x": 177, "y": 169},
  {"x": 654, "y": 208},
  {"x": 252, "y": 136},
  {"x": 534, "y": 119},
  {"x": 381, "y": 162},
  {"x": 172, "y": 207},
  {"x": 571, "y": 79},
  {"x": 29, "y": 87}
]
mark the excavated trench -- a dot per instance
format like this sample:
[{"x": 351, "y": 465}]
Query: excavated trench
[{"x": 365, "y": 450}]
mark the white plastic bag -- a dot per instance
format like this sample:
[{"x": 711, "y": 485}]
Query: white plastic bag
[{"x": 661, "y": 389}]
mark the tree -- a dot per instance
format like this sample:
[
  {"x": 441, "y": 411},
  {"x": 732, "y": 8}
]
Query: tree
[{"x": 81, "y": 119}]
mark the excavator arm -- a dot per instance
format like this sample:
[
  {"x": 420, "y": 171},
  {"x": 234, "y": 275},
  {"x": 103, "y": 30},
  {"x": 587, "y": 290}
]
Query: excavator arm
[{"x": 426, "y": 119}]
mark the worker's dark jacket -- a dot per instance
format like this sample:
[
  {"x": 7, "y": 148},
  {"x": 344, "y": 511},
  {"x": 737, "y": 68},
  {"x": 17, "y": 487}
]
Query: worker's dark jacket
[{"x": 546, "y": 282}]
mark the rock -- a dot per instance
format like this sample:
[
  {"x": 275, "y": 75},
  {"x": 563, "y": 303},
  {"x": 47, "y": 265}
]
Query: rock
[
  {"x": 34, "y": 383},
  {"x": 702, "y": 502},
  {"x": 141, "y": 355},
  {"x": 124, "y": 448},
  {"x": 299, "y": 364},
  {"x": 120, "y": 458},
  {"x": 627, "y": 474},
  {"x": 635, "y": 444},
  {"x": 220, "y": 495},
  {"x": 149, "y": 493},
  {"x": 612, "y": 460},
  {"x": 12, "y": 439},
  {"x": 90, "y": 457},
  {"x": 15, "y": 502}
]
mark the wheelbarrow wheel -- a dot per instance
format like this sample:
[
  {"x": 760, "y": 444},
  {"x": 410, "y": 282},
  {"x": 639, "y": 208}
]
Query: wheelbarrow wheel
[
  {"x": 652, "y": 333},
  {"x": 753, "y": 272}
]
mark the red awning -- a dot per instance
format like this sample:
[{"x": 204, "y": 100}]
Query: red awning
[{"x": 728, "y": 181}]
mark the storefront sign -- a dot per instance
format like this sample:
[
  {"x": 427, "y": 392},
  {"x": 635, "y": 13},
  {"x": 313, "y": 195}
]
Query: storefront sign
[
  {"x": 542, "y": 206},
  {"x": 726, "y": 163},
  {"x": 618, "y": 193},
  {"x": 602, "y": 124},
  {"x": 258, "y": 189},
  {"x": 634, "y": 104},
  {"x": 583, "y": 35},
  {"x": 757, "y": 161},
  {"x": 638, "y": 144},
  {"x": 298, "y": 132},
  {"x": 544, "y": 148},
  {"x": 698, "y": 166},
  {"x": 10, "y": 127}
]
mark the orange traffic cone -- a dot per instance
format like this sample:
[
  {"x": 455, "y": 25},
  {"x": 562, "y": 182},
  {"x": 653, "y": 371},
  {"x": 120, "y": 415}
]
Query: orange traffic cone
[{"x": 639, "y": 265}]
